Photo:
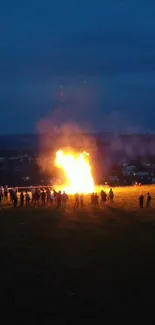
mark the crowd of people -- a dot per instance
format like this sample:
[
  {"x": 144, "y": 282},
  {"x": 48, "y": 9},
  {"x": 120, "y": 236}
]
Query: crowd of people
[
  {"x": 96, "y": 200},
  {"x": 49, "y": 197}
]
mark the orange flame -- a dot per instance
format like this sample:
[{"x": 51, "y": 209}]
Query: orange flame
[{"x": 77, "y": 170}]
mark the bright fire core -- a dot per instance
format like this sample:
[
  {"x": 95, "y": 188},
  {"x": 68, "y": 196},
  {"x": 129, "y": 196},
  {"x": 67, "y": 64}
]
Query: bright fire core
[{"x": 78, "y": 171}]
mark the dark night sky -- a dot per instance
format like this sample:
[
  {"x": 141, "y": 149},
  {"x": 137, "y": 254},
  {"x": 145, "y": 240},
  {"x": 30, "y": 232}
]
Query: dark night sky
[{"x": 89, "y": 61}]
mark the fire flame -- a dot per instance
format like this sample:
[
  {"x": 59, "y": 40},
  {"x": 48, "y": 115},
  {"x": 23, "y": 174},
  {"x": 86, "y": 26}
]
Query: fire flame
[{"x": 77, "y": 170}]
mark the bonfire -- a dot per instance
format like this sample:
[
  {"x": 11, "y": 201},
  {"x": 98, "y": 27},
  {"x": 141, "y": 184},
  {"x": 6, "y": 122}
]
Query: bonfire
[{"x": 77, "y": 169}]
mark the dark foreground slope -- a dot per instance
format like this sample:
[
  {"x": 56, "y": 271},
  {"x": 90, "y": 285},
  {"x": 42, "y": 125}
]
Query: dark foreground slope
[{"x": 84, "y": 267}]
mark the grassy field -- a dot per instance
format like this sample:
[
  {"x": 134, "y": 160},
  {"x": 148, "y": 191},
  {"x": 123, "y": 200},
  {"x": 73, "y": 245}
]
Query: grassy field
[{"x": 79, "y": 267}]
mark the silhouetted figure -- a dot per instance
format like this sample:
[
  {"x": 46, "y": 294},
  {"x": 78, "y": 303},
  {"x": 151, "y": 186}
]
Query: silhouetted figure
[
  {"x": 59, "y": 199},
  {"x": 21, "y": 199},
  {"x": 111, "y": 196},
  {"x": 103, "y": 197},
  {"x": 77, "y": 200},
  {"x": 148, "y": 201},
  {"x": 82, "y": 200},
  {"x": 64, "y": 199},
  {"x": 36, "y": 198},
  {"x": 15, "y": 199},
  {"x": 52, "y": 198},
  {"x": 141, "y": 201},
  {"x": 92, "y": 199},
  {"x": 55, "y": 196},
  {"x": 43, "y": 198},
  {"x": 96, "y": 200},
  {"x": 48, "y": 194},
  {"x": 33, "y": 196},
  {"x": 5, "y": 193},
  {"x": 27, "y": 199},
  {"x": 11, "y": 195}
]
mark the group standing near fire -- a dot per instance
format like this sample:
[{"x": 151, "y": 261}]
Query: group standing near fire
[{"x": 47, "y": 197}]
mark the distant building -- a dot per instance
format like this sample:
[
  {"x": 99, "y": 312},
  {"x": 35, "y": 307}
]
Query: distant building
[
  {"x": 129, "y": 170},
  {"x": 141, "y": 174}
]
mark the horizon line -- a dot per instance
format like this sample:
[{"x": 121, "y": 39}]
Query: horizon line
[{"x": 84, "y": 133}]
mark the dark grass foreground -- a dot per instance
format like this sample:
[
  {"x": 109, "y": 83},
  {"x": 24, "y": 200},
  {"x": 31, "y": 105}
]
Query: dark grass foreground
[{"x": 84, "y": 267}]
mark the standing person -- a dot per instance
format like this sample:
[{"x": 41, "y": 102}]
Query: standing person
[
  {"x": 6, "y": 192},
  {"x": 36, "y": 198},
  {"x": 64, "y": 199},
  {"x": 82, "y": 200},
  {"x": 77, "y": 201},
  {"x": 21, "y": 199},
  {"x": 11, "y": 195},
  {"x": 141, "y": 201},
  {"x": 51, "y": 197},
  {"x": 96, "y": 200},
  {"x": 59, "y": 199},
  {"x": 33, "y": 195},
  {"x": 103, "y": 197},
  {"x": 111, "y": 196},
  {"x": 43, "y": 198},
  {"x": 92, "y": 199},
  {"x": 148, "y": 201},
  {"x": 55, "y": 196},
  {"x": 48, "y": 195},
  {"x": 27, "y": 198},
  {"x": 15, "y": 199}
]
